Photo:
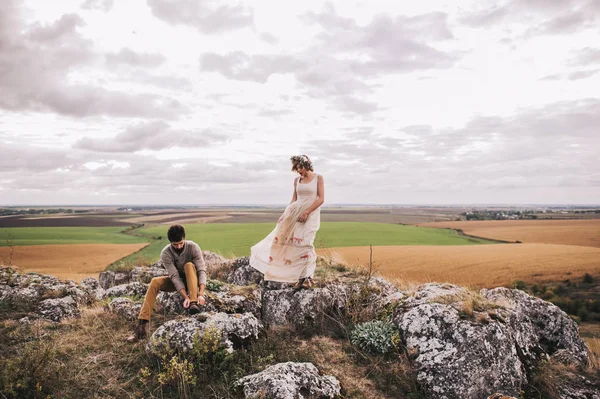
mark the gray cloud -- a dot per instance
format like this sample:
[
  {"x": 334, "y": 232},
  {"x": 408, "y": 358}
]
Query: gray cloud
[
  {"x": 549, "y": 146},
  {"x": 582, "y": 74},
  {"x": 241, "y": 66},
  {"x": 102, "y": 5},
  {"x": 346, "y": 58},
  {"x": 132, "y": 58},
  {"x": 204, "y": 15},
  {"x": 156, "y": 135},
  {"x": 36, "y": 61},
  {"x": 586, "y": 56},
  {"x": 546, "y": 18}
]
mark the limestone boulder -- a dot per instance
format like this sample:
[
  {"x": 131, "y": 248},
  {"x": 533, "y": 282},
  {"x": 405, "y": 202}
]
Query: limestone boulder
[
  {"x": 290, "y": 381},
  {"x": 111, "y": 278},
  {"x": 177, "y": 336},
  {"x": 469, "y": 345},
  {"x": 243, "y": 274},
  {"x": 58, "y": 309},
  {"x": 125, "y": 307},
  {"x": 134, "y": 289}
]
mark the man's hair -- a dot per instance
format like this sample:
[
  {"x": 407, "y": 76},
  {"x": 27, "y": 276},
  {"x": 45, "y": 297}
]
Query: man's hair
[
  {"x": 299, "y": 161},
  {"x": 176, "y": 233}
]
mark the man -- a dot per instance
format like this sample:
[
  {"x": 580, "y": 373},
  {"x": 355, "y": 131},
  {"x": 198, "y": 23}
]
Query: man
[{"x": 185, "y": 267}]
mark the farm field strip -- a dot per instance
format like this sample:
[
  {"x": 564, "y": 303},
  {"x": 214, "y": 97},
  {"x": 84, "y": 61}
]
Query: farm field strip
[
  {"x": 74, "y": 262},
  {"x": 235, "y": 239},
  {"x": 65, "y": 235},
  {"x": 569, "y": 232},
  {"x": 476, "y": 266}
]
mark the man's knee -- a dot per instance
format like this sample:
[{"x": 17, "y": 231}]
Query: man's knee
[{"x": 189, "y": 265}]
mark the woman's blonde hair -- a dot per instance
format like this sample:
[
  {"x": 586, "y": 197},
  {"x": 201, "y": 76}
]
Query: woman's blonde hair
[{"x": 299, "y": 161}]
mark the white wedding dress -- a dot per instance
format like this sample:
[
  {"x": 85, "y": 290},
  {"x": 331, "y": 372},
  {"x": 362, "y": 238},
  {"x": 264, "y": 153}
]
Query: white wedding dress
[{"x": 288, "y": 253}]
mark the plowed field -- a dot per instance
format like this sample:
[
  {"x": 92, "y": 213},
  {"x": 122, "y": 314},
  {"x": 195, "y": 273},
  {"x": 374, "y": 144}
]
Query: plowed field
[
  {"x": 72, "y": 261},
  {"x": 569, "y": 232},
  {"x": 476, "y": 266}
]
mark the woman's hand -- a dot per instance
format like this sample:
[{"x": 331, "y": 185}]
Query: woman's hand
[
  {"x": 302, "y": 218},
  {"x": 201, "y": 300},
  {"x": 186, "y": 303}
]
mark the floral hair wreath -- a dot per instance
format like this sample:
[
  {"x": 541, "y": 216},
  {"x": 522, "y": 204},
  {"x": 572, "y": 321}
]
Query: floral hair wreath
[{"x": 299, "y": 161}]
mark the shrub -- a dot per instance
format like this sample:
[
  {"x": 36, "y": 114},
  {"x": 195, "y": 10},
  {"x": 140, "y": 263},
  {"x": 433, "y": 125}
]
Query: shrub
[
  {"x": 375, "y": 336},
  {"x": 588, "y": 279}
]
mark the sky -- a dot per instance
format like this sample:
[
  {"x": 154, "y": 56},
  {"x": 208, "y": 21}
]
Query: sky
[{"x": 202, "y": 102}]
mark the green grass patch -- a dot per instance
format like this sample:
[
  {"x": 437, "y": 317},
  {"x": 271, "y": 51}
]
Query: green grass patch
[
  {"x": 235, "y": 239},
  {"x": 66, "y": 235}
]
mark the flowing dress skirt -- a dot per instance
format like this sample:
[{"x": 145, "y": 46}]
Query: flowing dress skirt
[{"x": 288, "y": 252}]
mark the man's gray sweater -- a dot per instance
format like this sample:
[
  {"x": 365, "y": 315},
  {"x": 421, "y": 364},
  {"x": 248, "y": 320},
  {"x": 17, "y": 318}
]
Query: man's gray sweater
[{"x": 174, "y": 263}]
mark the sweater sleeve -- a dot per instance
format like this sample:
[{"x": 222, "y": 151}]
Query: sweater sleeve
[
  {"x": 172, "y": 271},
  {"x": 198, "y": 261}
]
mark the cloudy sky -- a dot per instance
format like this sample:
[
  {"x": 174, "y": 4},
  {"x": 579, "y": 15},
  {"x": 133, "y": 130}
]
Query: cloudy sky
[{"x": 204, "y": 101}]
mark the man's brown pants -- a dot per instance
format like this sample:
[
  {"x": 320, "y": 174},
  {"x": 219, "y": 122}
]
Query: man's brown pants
[{"x": 165, "y": 284}]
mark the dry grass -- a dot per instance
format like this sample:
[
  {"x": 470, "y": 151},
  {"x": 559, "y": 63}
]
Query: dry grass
[
  {"x": 569, "y": 232},
  {"x": 69, "y": 261},
  {"x": 593, "y": 345},
  {"x": 476, "y": 266}
]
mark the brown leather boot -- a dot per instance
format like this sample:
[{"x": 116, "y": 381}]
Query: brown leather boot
[
  {"x": 139, "y": 333},
  {"x": 298, "y": 285}
]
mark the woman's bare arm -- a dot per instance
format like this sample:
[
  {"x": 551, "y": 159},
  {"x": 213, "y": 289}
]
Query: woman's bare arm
[{"x": 295, "y": 195}]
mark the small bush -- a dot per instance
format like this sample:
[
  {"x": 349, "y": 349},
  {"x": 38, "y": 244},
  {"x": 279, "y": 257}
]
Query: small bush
[
  {"x": 588, "y": 279},
  {"x": 375, "y": 337}
]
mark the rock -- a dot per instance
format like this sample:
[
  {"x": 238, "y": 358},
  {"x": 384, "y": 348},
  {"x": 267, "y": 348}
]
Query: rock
[
  {"x": 110, "y": 278},
  {"x": 226, "y": 302},
  {"x": 92, "y": 286},
  {"x": 457, "y": 357},
  {"x": 134, "y": 289},
  {"x": 554, "y": 332},
  {"x": 90, "y": 283},
  {"x": 58, "y": 309},
  {"x": 125, "y": 307},
  {"x": 290, "y": 381},
  {"x": 500, "y": 396},
  {"x": 170, "y": 302},
  {"x": 174, "y": 336},
  {"x": 467, "y": 344},
  {"x": 578, "y": 387},
  {"x": 144, "y": 274},
  {"x": 178, "y": 335},
  {"x": 237, "y": 329},
  {"x": 298, "y": 308},
  {"x": 243, "y": 273}
]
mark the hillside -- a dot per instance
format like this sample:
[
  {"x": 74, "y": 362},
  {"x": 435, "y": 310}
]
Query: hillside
[{"x": 352, "y": 336}]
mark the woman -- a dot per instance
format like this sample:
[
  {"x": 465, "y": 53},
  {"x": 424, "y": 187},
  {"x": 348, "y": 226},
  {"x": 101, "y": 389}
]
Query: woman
[{"x": 287, "y": 254}]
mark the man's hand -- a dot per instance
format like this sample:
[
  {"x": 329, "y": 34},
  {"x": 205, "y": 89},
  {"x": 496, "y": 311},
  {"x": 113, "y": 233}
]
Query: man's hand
[
  {"x": 201, "y": 300},
  {"x": 186, "y": 303}
]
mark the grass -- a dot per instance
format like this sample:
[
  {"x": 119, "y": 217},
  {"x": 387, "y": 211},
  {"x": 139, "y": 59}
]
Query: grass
[
  {"x": 235, "y": 239},
  {"x": 65, "y": 235}
]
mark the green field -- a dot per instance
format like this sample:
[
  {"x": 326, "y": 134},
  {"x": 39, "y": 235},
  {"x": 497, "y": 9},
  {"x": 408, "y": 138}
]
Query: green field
[
  {"x": 65, "y": 235},
  {"x": 235, "y": 239}
]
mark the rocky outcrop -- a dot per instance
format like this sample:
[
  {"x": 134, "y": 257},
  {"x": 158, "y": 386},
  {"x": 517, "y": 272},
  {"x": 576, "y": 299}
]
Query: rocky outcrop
[
  {"x": 58, "y": 309},
  {"x": 470, "y": 345},
  {"x": 135, "y": 289},
  {"x": 177, "y": 336},
  {"x": 125, "y": 307},
  {"x": 41, "y": 295},
  {"x": 290, "y": 381},
  {"x": 243, "y": 273}
]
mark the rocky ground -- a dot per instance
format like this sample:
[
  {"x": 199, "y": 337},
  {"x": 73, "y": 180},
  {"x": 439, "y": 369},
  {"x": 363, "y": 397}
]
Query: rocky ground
[{"x": 259, "y": 340}]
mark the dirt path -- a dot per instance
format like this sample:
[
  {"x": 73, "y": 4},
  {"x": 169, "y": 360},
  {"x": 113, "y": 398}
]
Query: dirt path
[
  {"x": 569, "y": 232},
  {"x": 476, "y": 265},
  {"x": 69, "y": 261}
]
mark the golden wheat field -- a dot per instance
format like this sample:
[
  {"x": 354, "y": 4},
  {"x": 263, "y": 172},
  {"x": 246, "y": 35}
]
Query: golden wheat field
[
  {"x": 475, "y": 266},
  {"x": 570, "y": 232},
  {"x": 68, "y": 261}
]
